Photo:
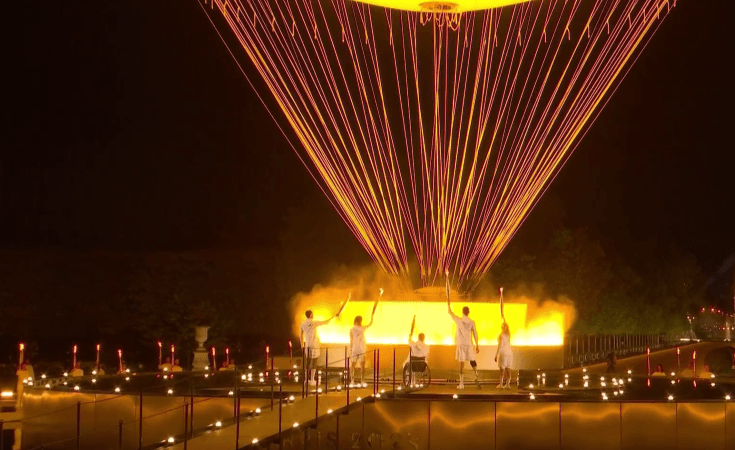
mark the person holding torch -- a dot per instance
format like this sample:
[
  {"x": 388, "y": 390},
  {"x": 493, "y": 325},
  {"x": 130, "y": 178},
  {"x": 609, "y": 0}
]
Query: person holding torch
[
  {"x": 466, "y": 332},
  {"x": 310, "y": 343},
  {"x": 358, "y": 345}
]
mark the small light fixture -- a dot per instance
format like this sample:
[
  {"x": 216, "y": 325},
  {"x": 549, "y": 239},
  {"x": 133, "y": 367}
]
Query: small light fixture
[
  {"x": 359, "y": 399},
  {"x": 171, "y": 440},
  {"x": 673, "y": 374},
  {"x": 339, "y": 388},
  {"x": 94, "y": 380},
  {"x": 561, "y": 385},
  {"x": 127, "y": 378},
  {"x": 603, "y": 384},
  {"x": 630, "y": 371},
  {"x": 329, "y": 411},
  {"x": 94, "y": 372},
  {"x": 566, "y": 375},
  {"x": 117, "y": 389},
  {"x": 586, "y": 384},
  {"x": 671, "y": 397},
  {"x": 255, "y": 440},
  {"x": 250, "y": 367},
  {"x": 66, "y": 374},
  {"x": 257, "y": 410},
  {"x": 399, "y": 388},
  {"x": 455, "y": 396},
  {"x": 530, "y": 386},
  {"x": 65, "y": 383},
  {"x": 629, "y": 380},
  {"x": 76, "y": 388},
  {"x": 291, "y": 398},
  {"x": 377, "y": 395},
  {"x": 243, "y": 377},
  {"x": 218, "y": 424},
  {"x": 48, "y": 386},
  {"x": 673, "y": 382},
  {"x": 43, "y": 377},
  {"x": 727, "y": 397},
  {"x": 170, "y": 391},
  {"x": 532, "y": 397},
  {"x": 295, "y": 424},
  {"x": 584, "y": 370}
]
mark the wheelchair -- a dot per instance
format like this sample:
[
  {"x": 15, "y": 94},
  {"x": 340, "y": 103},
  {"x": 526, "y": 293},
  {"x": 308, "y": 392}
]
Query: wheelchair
[{"x": 416, "y": 373}]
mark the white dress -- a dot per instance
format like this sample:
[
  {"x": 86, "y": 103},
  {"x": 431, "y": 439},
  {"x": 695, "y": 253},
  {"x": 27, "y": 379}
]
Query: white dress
[
  {"x": 505, "y": 353},
  {"x": 359, "y": 347}
]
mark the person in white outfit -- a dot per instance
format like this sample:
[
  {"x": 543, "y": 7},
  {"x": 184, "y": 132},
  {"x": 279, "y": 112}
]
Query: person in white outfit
[
  {"x": 466, "y": 350},
  {"x": 358, "y": 346},
  {"x": 418, "y": 350},
  {"x": 310, "y": 343},
  {"x": 504, "y": 356}
]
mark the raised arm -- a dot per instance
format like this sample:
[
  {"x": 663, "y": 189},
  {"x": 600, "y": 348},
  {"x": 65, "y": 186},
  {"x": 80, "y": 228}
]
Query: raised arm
[{"x": 449, "y": 309}]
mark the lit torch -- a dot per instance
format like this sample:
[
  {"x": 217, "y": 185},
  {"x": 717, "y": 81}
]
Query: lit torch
[
  {"x": 119, "y": 361},
  {"x": 22, "y": 348},
  {"x": 173, "y": 353},
  {"x": 375, "y": 306},
  {"x": 74, "y": 358},
  {"x": 160, "y": 347},
  {"x": 678, "y": 353},
  {"x": 214, "y": 358},
  {"x": 413, "y": 326},
  {"x": 648, "y": 360},
  {"x": 502, "y": 311},
  {"x": 98, "y": 357},
  {"x": 267, "y": 355},
  {"x": 290, "y": 352},
  {"x": 344, "y": 304},
  {"x": 227, "y": 356}
]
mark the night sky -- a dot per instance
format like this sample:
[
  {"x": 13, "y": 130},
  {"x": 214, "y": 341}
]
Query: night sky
[{"x": 129, "y": 127}]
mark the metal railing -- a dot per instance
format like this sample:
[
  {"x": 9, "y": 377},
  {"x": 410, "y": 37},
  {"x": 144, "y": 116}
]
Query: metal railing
[{"x": 583, "y": 349}]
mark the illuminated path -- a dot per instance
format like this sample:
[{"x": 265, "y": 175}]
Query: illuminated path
[{"x": 301, "y": 411}]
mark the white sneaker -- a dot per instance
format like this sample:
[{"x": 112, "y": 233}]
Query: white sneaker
[{"x": 500, "y": 386}]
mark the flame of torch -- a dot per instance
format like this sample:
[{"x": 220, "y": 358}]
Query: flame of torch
[
  {"x": 98, "y": 357},
  {"x": 290, "y": 352},
  {"x": 21, "y": 351},
  {"x": 74, "y": 358},
  {"x": 375, "y": 306},
  {"x": 413, "y": 325},
  {"x": 119, "y": 361},
  {"x": 227, "y": 356},
  {"x": 173, "y": 353},
  {"x": 160, "y": 347}
]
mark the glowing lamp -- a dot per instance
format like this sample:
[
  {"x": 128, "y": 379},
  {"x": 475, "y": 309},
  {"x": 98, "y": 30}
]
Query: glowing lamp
[
  {"x": 329, "y": 411},
  {"x": 218, "y": 424},
  {"x": 532, "y": 397},
  {"x": 295, "y": 424},
  {"x": 117, "y": 389},
  {"x": 442, "y": 6},
  {"x": 255, "y": 440},
  {"x": 76, "y": 388},
  {"x": 671, "y": 397},
  {"x": 456, "y": 397},
  {"x": 171, "y": 440}
]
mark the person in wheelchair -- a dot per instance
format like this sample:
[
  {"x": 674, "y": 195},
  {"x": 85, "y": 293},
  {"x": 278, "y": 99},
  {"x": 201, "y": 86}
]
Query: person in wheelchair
[{"x": 418, "y": 358}]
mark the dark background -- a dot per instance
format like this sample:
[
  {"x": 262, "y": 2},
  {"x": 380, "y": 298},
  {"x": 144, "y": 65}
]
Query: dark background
[{"x": 131, "y": 137}]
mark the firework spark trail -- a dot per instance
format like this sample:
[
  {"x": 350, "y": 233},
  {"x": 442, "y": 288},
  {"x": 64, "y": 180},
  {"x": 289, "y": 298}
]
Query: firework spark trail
[{"x": 446, "y": 151}]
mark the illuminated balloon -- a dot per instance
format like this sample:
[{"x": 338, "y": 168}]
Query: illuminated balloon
[{"x": 435, "y": 127}]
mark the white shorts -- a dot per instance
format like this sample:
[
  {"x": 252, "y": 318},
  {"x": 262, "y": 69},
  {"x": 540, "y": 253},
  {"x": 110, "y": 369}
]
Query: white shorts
[
  {"x": 313, "y": 353},
  {"x": 358, "y": 359},
  {"x": 505, "y": 360},
  {"x": 465, "y": 353}
]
